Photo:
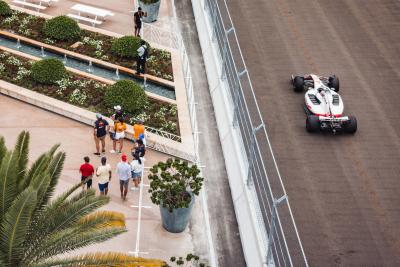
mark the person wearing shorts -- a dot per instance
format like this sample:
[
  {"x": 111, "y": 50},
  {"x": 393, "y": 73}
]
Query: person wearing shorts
[
  {"x": 103, "y": 172},
  {"x": 87, "y": 172},
  {"x": 124, "y": 173},
  {"x": 119, "y": 135},
  {"x": 101, "y": 128},
  {"x": 138, "y": 20},
  {"x": 137, "y": 169}
]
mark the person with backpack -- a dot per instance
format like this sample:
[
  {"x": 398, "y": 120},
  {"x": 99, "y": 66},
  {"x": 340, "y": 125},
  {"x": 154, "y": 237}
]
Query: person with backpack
[{"x": 143, "y": 53}]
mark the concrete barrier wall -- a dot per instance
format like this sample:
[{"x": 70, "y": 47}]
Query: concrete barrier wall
[{"x": 254, "y": 245}]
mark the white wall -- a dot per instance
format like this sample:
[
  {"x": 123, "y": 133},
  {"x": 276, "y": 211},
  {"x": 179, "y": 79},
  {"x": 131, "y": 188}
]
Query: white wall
[{"x": 251, "y": 231}]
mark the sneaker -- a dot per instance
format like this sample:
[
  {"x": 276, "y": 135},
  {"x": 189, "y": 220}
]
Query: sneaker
[
  {"x": 119, "y": 151},
  {"x": 103, "y": 151},
  {"x": 134, "y": 188},
  {"x": 112, "y": 151},
  {"x": 97, "y": 154}
]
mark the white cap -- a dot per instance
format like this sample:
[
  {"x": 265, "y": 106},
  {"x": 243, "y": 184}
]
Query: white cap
[{"x": 117, "y": 107}]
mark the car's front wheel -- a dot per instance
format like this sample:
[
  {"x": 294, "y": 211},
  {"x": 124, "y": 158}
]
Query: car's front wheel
[
  {"x": 351, "y": 125},
  {"x": 312, "y": 124},
  {"x": 334, "y": 83},
  {"x": 298, "y": 84}
]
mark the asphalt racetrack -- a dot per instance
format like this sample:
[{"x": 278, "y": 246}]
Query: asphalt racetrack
[{"x": 344, "y": 189}]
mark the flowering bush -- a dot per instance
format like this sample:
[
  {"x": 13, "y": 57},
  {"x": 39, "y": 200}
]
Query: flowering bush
[
  {"x": 77, "y": 97},
  {"x": 22, "y": 73}
]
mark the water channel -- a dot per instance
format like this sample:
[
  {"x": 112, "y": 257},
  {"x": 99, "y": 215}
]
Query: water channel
[{"x": 88, "y": 67}]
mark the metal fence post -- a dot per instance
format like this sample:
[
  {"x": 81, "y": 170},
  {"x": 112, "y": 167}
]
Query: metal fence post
[
  {"x": 276, "y": 203},
  {"x": 252, "y": 152}
]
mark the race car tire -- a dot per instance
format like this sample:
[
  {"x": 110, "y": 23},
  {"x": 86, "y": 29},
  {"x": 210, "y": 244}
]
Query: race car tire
[
  {"x": 312, "y": 124},
  {"x": 298, "y": 84},
  {"x": 334, "y": 83},
  {"x": 351, "y": 125}
]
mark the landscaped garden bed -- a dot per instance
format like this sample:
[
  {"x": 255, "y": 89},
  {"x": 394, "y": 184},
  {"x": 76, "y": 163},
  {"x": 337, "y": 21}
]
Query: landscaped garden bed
[
  {"x": 83, "y": 92},
  {"x": 92, "y": 44}
]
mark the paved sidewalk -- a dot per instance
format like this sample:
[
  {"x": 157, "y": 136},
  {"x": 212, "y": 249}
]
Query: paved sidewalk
[
  {"x": 121, "y": 22},
  {"x": 223, "y": 222},
  {"x": 47, "y": 129}
]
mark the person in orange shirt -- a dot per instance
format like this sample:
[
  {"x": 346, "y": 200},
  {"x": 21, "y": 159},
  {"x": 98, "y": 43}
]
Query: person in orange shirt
[
  {"x": 138, "y": 129},
  {"x": 119, "y": 135}
]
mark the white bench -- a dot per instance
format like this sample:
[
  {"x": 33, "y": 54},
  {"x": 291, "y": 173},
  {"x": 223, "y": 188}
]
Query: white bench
[
  {"x": 94, "y": 11},
  {"x": 38, "y": 7},
  {"x": 94, "y": 22},
  {"x": 48, "y": 2}
]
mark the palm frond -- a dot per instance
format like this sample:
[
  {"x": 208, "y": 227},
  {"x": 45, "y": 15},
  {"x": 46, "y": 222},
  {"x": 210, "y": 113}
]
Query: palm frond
[
  {"x": 109, "y": 259},
  {"x": 101, "y": 219},
  {"x": 37, "y": 167},
  {"x": 7, "y": 183},
  {"x": 22, "y": 150},
  {"x": 67, "y": 240},
  {"x": 16, "y": 224},
  {"x": 55, "y": 218},
  {"x": 3, "y": 148},
  {"x": 54, "y": 169}
]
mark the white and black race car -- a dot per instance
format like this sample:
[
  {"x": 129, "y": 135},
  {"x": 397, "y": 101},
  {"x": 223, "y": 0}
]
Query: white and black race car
[{"x": 323, "y": 105}]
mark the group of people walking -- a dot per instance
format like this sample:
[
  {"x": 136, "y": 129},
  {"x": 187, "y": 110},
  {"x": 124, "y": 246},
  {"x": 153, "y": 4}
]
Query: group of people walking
[{"x": 124, "y": 170}]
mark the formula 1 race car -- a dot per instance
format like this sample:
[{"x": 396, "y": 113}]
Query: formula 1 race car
[{"x": 323, "y": 105}]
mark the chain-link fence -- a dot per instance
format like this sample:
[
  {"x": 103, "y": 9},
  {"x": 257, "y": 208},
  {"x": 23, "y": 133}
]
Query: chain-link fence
[{"x": 283, "y": 245}]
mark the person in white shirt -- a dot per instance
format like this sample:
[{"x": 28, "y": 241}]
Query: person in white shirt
[
  {"x": 124, "y": 173},
  {"x": 103, "y": 172},
  {"x": 137, "y": 167},
  {"x": 141, "y": 58}
]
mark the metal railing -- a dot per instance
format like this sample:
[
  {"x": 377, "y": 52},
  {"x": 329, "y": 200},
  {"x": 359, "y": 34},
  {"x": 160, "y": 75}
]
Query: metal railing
[
  {"x": 282, "y": 240},
  {"x": 162, "y": 133},
  {"x": 173, "y": 40}
]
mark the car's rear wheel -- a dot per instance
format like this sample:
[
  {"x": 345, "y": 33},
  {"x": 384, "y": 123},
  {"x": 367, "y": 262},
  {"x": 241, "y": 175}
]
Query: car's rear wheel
[
  {"x": 298, "y": 84},
  {"x": 334, "y": 83},
  {"x": 312, "y": 124},
  {"x": 351, "y": 125}
]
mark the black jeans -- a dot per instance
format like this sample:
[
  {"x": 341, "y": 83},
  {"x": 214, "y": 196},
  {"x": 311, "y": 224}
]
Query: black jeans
[{"x": 140, "y": 65}]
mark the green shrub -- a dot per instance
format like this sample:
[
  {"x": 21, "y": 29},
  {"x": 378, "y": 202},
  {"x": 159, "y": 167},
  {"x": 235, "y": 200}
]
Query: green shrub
[
  {"x": 48, "y": 71},
  {"x": 62, "y": 28},
  {"x": 126, "y": 46},
  {"x": 5, "y": 9},
  {"x": 128, "y": 94}
]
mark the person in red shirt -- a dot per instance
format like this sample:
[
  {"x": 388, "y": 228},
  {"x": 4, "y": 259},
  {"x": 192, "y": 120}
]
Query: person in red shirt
[{"x": 87, "y": 172}]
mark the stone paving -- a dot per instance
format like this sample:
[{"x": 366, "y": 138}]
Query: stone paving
[{"x": 121, "y": 22}]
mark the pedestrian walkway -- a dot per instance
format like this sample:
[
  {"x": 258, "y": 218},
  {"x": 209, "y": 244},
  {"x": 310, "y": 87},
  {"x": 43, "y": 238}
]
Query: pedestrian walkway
[
  {"x": 76, "y": 140},
  {"x": 122, "y": 21}
]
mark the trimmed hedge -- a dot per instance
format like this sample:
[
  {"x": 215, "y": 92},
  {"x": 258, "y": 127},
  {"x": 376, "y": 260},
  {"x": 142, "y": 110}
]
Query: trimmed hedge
[
  {"x": 5, "y": 9},
  {"x": 62, "y": 28},
  {"x": 48, "y": 71},
  {"x": 126, "y": 46},
  {"x": 128, "y": 94}
]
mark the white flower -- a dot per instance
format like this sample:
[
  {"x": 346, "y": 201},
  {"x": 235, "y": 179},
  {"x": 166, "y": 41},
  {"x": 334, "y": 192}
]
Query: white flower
[
  {"x": 22, "y": 73},
  {"x": 78, "y": 97}
]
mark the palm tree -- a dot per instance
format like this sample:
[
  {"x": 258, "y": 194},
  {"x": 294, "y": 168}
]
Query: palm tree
[{"x": 36, "y": 228}]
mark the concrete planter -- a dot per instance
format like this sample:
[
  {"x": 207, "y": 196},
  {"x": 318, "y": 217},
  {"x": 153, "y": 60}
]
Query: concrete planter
[
  {"x": 151, "y": 10},
  {"x": 177, "y": 220}
]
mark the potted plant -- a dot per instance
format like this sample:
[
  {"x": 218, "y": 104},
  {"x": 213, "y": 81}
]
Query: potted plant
[
  {"x": 151, "y": 8},
  {"x": 173, "y": 186}
]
